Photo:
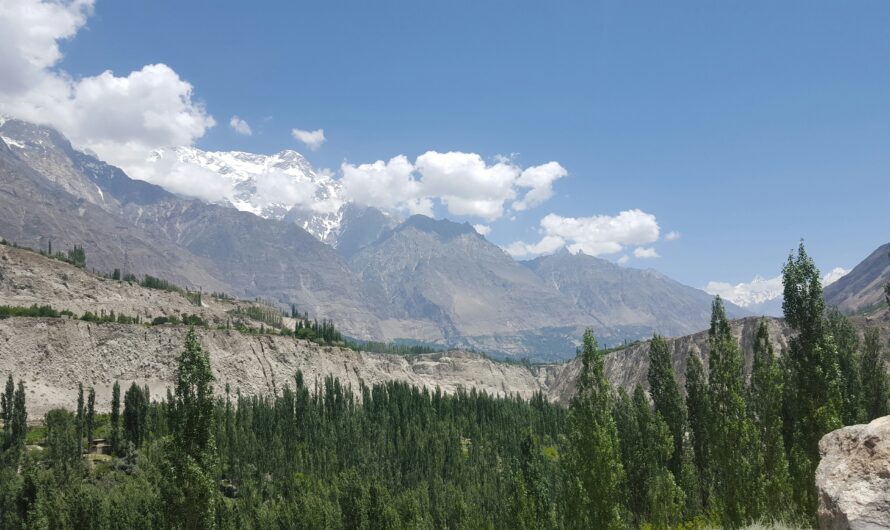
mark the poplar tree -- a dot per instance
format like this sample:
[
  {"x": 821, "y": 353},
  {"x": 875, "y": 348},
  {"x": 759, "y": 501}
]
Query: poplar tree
[
  {"x": 594, "y": 474},
  {"x": 697, "y": 405},
  {"x": 116, "y": 418},
  {"x": 189, "y": 453},
  {"x": 6, "y": 403},
  {"x": 846, "y": 340},
  {"x": 732, "y": 436},
  {"x": 813, "y": 402},
  {"x": 765, "y": 405},
  {"x": 91, "y": 416},
  {"x": 79, "y": 417},
  {"x": 874, "y": 376},
  {"x": 19, "y": 420},
  {"x": 667, "y": 398}
]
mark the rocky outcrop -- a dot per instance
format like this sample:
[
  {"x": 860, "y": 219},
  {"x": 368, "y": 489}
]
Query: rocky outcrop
[{"x": 853, "y": 477}]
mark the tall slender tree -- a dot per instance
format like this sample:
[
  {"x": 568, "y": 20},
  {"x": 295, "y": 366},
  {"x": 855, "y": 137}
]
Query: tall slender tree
[
  {"x": 190, "y": 494},
  {"x": 91, "y": 416},
  {"x": 594, "y": 474},
  {"x": 813, "y": 403},
  {"x": 115, "y": 427},
  {"x": 732, "y": 436},
  {"x": 697, "y": 405},
  {"x": 668, "y": 399},
  {"x": 6, "y": 403},
  {"x": 765, "y": 404},
  {"x": 79, "y": 424}
]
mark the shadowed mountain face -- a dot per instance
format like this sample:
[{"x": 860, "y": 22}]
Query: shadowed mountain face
[
  {"x": 862, "y": 289},
  {"x": 633, "y": 303},
  {"x": 421, "y": 280},
  {"x": 49, "y": 191}
]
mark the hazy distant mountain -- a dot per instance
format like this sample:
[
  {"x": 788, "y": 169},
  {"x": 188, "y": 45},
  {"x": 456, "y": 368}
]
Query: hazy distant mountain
[
  {"x": 862, "y": 289},
  {"x": 421, "y": 279},
  {"x": 633, "y": 303},
  {"x": 440, "y": 280},
  {"x": 361, "y": 226}
]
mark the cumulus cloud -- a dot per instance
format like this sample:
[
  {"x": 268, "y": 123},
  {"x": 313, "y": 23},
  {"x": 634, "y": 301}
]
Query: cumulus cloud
[
  {"x": 547, "y": 245},
  {"x": 312, "y": 139},
  {"x": 672, "y": 236},
  {"x": 120, "y": 118},
  {"x": 387, "y": 185},
  {"x": 540, "y": 179},
  {"x": 597, "y": 235},
  {"x": 464, "y": 183},
  {"x": 761, "y": 289},
  {"x": 240, "y": 126},
  {"x": 623, "y": 259},
  {"x": 645, "y": 253},
  {"x": 482, "y": 230}
]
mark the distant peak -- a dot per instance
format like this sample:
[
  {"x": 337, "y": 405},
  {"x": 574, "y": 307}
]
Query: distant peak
[{"x": 444, "y": 228}]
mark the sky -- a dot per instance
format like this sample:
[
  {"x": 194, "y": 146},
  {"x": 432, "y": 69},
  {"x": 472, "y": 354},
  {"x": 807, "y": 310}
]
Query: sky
[{"x": 702, "y": 139}]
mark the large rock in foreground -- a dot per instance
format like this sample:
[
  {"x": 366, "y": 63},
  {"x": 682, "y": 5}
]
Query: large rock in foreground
[{"x": 853, "y": 477}]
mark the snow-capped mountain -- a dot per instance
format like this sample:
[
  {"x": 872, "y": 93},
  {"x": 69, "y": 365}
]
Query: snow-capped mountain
[{"x": 279, "y": 186}]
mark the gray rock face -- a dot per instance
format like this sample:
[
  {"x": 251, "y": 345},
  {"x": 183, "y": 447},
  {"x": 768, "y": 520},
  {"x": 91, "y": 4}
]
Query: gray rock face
[
  {"x": 633, "y": 303},
  {"x": 441, "y": 281},
  {"x": 853, "y": 477},
  {"x": 862, "y": 289}
]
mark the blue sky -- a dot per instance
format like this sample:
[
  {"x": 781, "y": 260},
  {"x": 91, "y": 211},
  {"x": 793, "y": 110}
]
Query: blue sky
[{"x": 744, "y": 126}]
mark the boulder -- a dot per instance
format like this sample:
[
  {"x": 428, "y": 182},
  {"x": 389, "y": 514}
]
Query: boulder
[{"x": 853, "y": 477}]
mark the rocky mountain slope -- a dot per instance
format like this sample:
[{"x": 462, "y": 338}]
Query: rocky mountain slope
[
  {"x": 419, "y": 280},
  {"x": 633, "y": 303},
  {"x": 442, "y": 281},
  {"x": 862, "y": 289}
]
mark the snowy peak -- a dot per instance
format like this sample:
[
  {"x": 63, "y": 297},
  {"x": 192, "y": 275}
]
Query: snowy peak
[{"x": 281, "y": 186}]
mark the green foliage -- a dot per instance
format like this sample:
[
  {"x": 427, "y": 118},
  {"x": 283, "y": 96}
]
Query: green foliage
[
  {"x": 874, "y": 377},
  {"x": 698, "y": 407},
  {"x": 594, "y": 475},
  {"x": 668, "y": 399},
  {"x": 813, "y": 401},
  {"x": 115, "y": 428},
  {"x": 136, "y": 402},
  {"x": 33, "y": 311},
  {"x": 765, "y": 408},
  {"x": 63, "y": 440},
  {"x": 190, "y": 494},
  {"x": 733, "y": 451}
]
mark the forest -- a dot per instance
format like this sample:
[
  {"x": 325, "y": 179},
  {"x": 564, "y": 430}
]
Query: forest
[{"x": 722, "y": 449}]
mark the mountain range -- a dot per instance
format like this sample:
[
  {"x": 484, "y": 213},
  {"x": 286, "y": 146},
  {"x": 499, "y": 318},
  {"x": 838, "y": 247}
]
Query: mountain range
[{"x": 378, "y": 277}]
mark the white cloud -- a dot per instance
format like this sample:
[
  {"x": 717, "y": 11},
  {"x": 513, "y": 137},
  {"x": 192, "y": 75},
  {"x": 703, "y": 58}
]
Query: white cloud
[
  {"x": 623, "y": 259},
  {"x": 463, "y": 182},
  {"x": 597, "y": 235},
  {"x": 761, "y": 289},
  {"x": 672, "y": 236},
  {"x": 546, "y": 245},
  {"x": 834, "y": 275},
  {"x": 645, "y": 253},
  {"x": 312, "y": 139},
  {"x": 120, "y": 118},
  {"x": 240, "y": 126},
  {"x": 483, "y": 230},
  {"x": 540, "y": 179},
  {"x": 387, "y": 185}
]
